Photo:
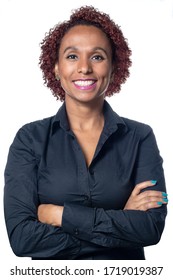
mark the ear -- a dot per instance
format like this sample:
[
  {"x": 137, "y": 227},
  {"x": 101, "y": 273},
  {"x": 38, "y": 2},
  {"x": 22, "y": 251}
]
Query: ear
[{"x": 56, "y": 70}]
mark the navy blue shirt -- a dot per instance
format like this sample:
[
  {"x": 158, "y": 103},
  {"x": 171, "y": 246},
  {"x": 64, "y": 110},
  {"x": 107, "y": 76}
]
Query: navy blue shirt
[{"x": 46, "y": 165}]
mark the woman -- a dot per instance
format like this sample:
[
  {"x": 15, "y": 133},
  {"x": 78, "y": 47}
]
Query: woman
[{"x": 85, "y": 183}]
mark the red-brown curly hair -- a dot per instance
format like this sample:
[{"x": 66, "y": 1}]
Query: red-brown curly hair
[{"x": 86, "y": 15}]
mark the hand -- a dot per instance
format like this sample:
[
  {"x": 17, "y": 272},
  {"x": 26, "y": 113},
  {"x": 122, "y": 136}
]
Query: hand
[
  {"x": 50, "y": 214},
  {"x": 145, "y": 200}
]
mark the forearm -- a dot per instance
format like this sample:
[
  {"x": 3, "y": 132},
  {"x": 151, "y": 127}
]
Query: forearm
[
  {"x": 31, "y": 238},
  {"x": 114, "y": 228},
  {"x": 140, "y": 223}
]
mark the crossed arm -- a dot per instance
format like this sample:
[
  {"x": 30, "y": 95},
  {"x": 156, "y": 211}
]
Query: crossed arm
[{"x": 52, "y": 214}]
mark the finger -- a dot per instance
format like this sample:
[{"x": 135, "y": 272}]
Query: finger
[
  {"x": 142, "y": 186},
  {"x": 152, "y": 193},
  {"x": 149, "y": 197},
  {"x": 152, "y": 199},
  {"x": 150, "y": 205}
]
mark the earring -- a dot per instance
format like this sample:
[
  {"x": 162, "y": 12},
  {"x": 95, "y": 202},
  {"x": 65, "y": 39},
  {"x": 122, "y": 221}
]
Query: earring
[{"x": 57, "y": 77}]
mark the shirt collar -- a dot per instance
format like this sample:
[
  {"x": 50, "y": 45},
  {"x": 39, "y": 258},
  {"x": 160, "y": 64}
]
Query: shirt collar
[
  {"x": 60, "y": 119},
  {"x": 112, "y": 120}
]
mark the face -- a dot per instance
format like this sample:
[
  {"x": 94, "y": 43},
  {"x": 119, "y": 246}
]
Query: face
[{"x": 85, "y": 63}]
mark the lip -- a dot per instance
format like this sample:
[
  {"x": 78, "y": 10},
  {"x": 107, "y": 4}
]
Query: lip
[{"x": 85, "y": 84}]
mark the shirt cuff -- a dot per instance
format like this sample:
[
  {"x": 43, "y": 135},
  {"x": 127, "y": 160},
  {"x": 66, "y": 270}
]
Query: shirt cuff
[{"x": 78, "y": 220}]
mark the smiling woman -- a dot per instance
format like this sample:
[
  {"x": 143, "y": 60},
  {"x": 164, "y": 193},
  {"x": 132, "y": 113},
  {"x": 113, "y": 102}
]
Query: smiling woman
[{"x": 85, "y": 183}]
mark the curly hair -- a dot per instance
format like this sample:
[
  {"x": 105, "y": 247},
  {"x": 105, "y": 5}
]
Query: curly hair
[{"x": 86, "y": 15}]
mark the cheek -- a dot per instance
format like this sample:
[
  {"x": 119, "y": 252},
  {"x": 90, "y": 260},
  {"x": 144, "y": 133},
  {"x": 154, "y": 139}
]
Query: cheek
[
  {"x": 65, "y": 67},
  {"x": 105, "y": 71},
  {"x": 107, "y": 76}
]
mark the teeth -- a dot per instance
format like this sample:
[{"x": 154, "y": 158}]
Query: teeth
[{"x": 84, "y": 83}]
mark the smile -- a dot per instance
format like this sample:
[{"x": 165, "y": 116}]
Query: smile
[{"x": 85, "y": 84}]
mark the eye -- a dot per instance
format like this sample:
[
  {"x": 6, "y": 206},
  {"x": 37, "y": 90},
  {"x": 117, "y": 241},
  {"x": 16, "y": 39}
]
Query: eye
[
  {"x": 72, "y": 57},
  {"x": 98, "y": 57}
]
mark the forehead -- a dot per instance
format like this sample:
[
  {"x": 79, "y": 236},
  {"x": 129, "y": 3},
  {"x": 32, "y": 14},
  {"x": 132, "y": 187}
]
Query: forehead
[{"x": 85, "y": 35}]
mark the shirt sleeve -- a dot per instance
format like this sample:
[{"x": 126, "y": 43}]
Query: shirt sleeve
[
  {"x": 29, "y": 237},
  {"x": 123, "y": 228}
]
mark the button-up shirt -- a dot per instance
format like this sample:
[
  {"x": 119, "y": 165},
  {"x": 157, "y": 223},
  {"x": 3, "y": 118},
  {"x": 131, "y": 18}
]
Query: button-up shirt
[{"x": 46, "y": 165}]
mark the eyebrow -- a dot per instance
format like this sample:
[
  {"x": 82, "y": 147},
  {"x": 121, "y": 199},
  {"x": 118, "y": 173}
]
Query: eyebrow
[{"x": 94, "y": 49}]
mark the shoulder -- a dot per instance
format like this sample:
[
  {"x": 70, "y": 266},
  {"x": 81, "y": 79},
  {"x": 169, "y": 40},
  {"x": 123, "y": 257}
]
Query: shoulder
[
  {"x": 139, "y": 128},
  {"x": 124, "y": 124},
  {"x": 35, "y": 131},
  {"x": 38, "y": 125}
]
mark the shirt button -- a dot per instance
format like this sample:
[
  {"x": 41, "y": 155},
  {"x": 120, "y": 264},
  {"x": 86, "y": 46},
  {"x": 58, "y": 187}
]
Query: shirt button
[
  {"x": 86, "y": 197},
  {"x": 76, "y": 232}
]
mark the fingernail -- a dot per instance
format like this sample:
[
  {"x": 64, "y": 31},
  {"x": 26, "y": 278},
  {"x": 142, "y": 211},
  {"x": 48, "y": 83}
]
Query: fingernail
[
  {"x": 153, "y": 182},
  {"x": 165, "y": 199},
  {"x": 159, "y": 203},
  {"x": 164, "y": 194}
]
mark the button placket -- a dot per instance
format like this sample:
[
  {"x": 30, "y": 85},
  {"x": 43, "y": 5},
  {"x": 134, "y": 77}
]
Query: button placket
[
  {"x": 82, "y": 174},
  {"x": 91, "y": 178}
]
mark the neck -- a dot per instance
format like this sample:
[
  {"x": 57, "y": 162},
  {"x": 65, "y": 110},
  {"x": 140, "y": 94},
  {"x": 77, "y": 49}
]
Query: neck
[{"x": 85, "y": 116}]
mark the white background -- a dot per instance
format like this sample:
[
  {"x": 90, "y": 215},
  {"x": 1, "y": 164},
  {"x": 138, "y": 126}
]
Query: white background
[{"x": 146, "y": 96}]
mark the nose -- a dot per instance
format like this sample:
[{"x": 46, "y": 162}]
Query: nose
[{"x": 84, "y": 66}]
